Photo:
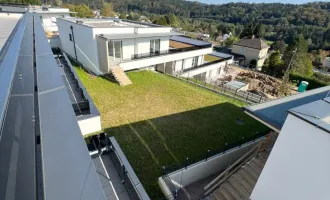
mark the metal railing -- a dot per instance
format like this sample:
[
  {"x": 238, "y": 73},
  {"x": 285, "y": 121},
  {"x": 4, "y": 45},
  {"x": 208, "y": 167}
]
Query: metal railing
[
  {"x": 189, "y": 162},
  {"x": 166, "y": 52},
  {"x": 205, "y": 65},
  {"x": 126, "y": 173},
  {"x": 222, "y": 89}
]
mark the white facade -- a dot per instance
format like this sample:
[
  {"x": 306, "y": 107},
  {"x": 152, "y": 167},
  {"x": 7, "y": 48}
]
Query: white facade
[
  {"x": 298, "y": 166},
  {"x": 92, "y": 40},
  {"x": 48, "y": 17}
]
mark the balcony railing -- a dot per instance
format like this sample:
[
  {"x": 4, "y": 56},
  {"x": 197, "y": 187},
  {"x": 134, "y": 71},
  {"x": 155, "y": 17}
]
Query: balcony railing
[
  {"x": 166, "y": 52},
  {"x": 205, "y": 64}
]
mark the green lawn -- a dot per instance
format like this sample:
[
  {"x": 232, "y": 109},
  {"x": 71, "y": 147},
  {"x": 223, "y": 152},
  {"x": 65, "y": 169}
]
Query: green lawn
[
  {"x": 210, "y": 58},
  {"x": 159, "y": 120}
]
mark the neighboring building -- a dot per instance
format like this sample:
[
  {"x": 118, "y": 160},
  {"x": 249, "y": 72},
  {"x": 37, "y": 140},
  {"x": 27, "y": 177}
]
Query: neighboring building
[
  {"x": 252, "y": 49},
  {"x": 114, "y": 45},
  {"x": 13, "y": 8},
  {"x": 48, "y": 16}
]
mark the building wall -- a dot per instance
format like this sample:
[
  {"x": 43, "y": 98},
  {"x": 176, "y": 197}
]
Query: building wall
[
  {"x": 5, "y": 8},
  {"x": 213, "y": 165},
  {"x": 298, "y": 166},
  {"x": 251, "y": 54},
  {"x": 86, "y": 46},
  {"x": 49, "y": 20},
  {"x": 102, "y": 50}
]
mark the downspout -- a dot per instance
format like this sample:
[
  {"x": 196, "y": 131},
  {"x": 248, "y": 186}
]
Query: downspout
[{"x": 74, "y": 43}]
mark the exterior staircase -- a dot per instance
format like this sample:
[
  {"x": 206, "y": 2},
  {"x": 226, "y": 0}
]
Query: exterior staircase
[
  {"x": 120, "y": 76},
  {"x": 238, "y": 180},
  {"x": 240, "y": 185}
]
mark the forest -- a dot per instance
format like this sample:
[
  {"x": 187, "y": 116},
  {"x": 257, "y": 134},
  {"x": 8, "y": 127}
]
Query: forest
[{"x": 281, "y": 21}]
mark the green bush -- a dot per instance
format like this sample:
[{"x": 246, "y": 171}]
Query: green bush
[
  {"x": 313, "y": 81},
  {"x": 322, "y": 77}
]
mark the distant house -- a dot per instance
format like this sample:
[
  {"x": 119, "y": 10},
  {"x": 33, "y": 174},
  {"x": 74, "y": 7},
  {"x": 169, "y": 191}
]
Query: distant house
[{"x": 251, "y": 49}]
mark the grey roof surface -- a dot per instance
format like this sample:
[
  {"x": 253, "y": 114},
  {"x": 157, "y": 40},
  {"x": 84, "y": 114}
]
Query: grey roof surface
[
  {"x": 7, "y": 24},
  {"x": 17, "y": 142},
  {"x": 189, "y": 41},
  {"x": 255, "y": 43},
  {"x": 275, "y": 112},
  {"x": 221, "y": 55},
  {"x": 316, "y": 113},
  {"x": 68, "y": 171},
  {"x": 37, "y": 104},
  {"x": 136, "y": 35}
]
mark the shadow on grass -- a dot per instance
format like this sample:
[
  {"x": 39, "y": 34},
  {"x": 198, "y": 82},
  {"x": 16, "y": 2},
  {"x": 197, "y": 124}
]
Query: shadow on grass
[{"x": 167, "y": 140}]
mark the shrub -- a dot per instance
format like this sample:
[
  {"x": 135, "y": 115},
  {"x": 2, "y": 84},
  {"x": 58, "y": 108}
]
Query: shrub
[{"x": 313, "y": 82}]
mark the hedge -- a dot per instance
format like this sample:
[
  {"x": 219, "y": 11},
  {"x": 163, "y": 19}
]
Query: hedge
[{"x": 313, "y": 82}]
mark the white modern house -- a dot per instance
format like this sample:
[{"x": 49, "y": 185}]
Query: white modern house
[
  {"x": 113, "y": 46},
  {"x": 48, "y": 17}
]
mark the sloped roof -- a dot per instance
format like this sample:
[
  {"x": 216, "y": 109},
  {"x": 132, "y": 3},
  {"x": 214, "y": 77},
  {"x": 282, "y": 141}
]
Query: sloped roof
[{"x": 255, "y": 43}]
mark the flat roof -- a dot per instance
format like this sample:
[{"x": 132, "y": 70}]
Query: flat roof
[
  {"x": 316, "y": 113},
  {"x": 111, "y": 23},
  {"x": 137, "y": 35},
  {"x": 221, "y": 55},
  {"x": 190, "y": 41},
  {"x": 7, "y": 25},
  {"x": 273, "y": 113}
]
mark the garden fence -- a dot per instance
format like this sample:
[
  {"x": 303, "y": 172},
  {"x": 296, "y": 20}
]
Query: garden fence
[{"x": 214, "y": 86}]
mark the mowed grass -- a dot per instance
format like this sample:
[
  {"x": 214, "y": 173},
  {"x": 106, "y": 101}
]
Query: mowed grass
[
  {"x": 210, "y": 58},
  {"x": 159, "y": 120}
]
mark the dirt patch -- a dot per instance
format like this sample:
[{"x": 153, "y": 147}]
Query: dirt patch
[{"x": 259, "y": 83}]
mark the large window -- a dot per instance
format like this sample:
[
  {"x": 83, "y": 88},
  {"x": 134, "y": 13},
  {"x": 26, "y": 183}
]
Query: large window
[
  {"x": 154, "y": 46},
  {"x": 195, "y": 61},
  {"x": 115, "y": 49}
]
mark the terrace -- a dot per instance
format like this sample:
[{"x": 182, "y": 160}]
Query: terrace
[{"x": 160, "y": 121}]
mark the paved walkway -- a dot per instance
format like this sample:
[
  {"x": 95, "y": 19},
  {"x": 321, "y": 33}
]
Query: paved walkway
[{"x": 109, "y": 178}]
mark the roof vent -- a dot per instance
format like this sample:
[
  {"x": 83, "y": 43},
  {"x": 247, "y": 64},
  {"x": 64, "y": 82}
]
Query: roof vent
[{"x": 79, "y": 22}]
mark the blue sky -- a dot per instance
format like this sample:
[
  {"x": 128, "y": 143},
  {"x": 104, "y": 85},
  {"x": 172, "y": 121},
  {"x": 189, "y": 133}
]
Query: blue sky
[{"x": 258, "y": 1}]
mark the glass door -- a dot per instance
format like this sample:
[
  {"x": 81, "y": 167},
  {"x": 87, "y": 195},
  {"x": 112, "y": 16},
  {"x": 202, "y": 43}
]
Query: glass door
[{"x": 115, "y": 50}]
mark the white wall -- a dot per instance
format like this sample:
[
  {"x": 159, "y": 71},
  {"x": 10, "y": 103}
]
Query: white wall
[
  {"x": 153, "y": 30},
  {"x": 213, "y": 165},
  {"x": 187, "y": 63},
  {"x": 86, "y": 46},
  {"x": 49, "y": 20},
  {"x": 178, "y": 65},
  {"x": 89, "y": 125},
  {"x": 298, "y": 166}
]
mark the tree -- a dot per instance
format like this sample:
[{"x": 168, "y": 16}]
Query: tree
[
  {"x": 161, "y": 20},
  {"x": 248, "y": 31},
  {"x": 123, "y": 16},
  {"x": 107, "y": 10},
  {"x": 231, "y": 40},
  {"x": 259, "y": 31},
  {"x": 278, "y": 46},
  {"x": 133, "y": 16},
  {"x": 274, "y": 65},
  {"x": 82, "y": 10},
  {"x": 253, "y": 63},
  {"x": 173, "y": 21},
  {"x": 296, "y": 55}
]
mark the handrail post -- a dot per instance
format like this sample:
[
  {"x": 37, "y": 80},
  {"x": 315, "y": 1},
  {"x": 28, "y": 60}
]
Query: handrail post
[
  {"x": 207, "y": 154},
  {"x": 186, "y": 163}
]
